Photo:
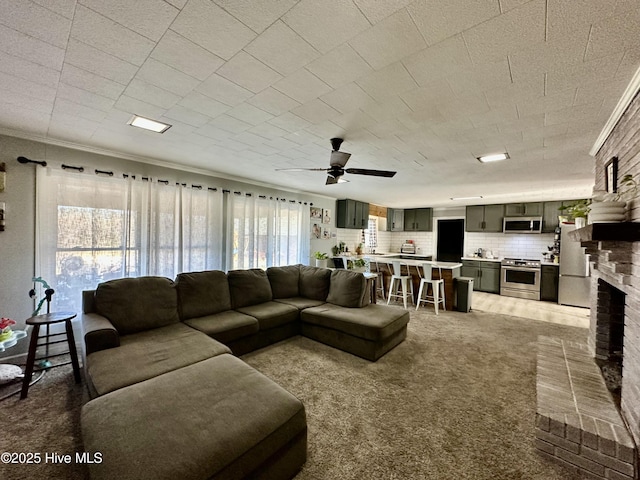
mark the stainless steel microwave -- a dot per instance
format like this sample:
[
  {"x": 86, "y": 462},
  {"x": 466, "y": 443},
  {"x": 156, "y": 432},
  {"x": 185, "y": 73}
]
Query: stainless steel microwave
[{"x": 522, "y": 225}]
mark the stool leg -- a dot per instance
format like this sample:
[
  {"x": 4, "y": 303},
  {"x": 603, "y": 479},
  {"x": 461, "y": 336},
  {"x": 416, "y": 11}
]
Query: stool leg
[
  {"x": 391, "y": 282},
  {"x": 73, "y": 353},
  {"x": 436, "y": 290},
  {"x": 419, "y": 295},
  {"x": 444, "y": 307},
  {"x": 31, "y": 357}
]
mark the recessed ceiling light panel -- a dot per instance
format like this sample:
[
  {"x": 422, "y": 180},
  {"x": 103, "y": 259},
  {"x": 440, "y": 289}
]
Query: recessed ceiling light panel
[
  {"x": 466, "y": 198},
  {"x": 148, "y": 124},
  {"x": 496, "y": 157}
]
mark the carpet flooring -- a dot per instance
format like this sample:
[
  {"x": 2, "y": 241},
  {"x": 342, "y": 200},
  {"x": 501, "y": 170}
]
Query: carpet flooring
[{"x": 455, "y": 400}]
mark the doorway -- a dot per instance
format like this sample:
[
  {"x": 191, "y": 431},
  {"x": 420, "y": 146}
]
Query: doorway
[{"x": 450, "y": 240}]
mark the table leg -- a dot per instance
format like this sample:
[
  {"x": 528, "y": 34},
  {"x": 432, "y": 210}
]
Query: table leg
[
  {"x": 374, "y": 289},
  {"x": 73, "y": 353},
  {"x": 31, "y": 358}
]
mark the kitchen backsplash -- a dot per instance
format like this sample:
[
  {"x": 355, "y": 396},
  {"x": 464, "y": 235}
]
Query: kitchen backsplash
[{"x": 520, "y": 245}]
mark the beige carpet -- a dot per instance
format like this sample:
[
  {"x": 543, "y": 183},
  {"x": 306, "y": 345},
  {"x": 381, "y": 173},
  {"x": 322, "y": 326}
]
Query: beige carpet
[{"x": 456, "y": 400}]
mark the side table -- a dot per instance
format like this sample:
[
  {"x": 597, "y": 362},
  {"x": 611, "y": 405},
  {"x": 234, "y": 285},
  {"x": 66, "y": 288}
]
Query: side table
[{"x": 49, "y": 319}]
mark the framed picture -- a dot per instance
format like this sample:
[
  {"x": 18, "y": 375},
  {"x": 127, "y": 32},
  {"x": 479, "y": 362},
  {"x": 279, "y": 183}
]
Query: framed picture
[
  {"x": 611, "y": 175},
  {"x": 326, "y": 216},
  {"x": 316, "y": 213},
  {"x": 315, "y": 230},
  {"x": 326, "y": 234}
]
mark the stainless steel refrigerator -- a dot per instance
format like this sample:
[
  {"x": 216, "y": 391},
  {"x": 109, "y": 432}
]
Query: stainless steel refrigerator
[{"x": 575, "y": 281}]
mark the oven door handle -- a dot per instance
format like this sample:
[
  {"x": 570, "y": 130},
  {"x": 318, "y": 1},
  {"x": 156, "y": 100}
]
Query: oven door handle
[{"x": 521, "y": 269}]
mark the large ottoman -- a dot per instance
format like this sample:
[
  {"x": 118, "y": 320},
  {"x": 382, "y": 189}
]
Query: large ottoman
[
  {"x": 368, "y": 332},
  {"x": 218, "y": 418}
]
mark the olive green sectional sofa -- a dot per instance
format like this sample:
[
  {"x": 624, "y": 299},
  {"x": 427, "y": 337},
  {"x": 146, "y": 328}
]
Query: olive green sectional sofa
[{"x": 170, "y": 398}]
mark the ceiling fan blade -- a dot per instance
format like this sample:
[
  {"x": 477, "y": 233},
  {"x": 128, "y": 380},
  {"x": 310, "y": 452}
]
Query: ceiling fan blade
[
  {"x": 301, "y": 169},
  {"x": 331, "y": 180},
  {"x": 339, "y": 159},
  {"x": 373, "y": 173}
]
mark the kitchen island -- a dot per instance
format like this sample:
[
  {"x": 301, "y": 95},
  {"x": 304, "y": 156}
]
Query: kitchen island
[{"x": 450, "y": 271}]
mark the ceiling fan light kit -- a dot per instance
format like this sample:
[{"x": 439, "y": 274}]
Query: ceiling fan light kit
[{"x": 336, "y": 169}]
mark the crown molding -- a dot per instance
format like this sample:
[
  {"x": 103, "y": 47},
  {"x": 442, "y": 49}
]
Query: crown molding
[{"x": 624, "y": 102}]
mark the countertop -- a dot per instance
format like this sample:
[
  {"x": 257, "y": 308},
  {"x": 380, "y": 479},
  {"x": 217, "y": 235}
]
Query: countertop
[
  {"x": 443, "y": 265},
  {"x": 481, "y": 259}
]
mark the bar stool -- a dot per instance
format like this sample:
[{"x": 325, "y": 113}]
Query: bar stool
[
  {"x": 405, "y": 283},
  {"x": 437, "y": 287},
  {"x": 49, "y": 319},
  {"x": 377, "y": 268}
]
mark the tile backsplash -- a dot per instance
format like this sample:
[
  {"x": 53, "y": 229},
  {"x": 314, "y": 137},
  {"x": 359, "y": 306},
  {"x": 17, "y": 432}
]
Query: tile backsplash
[{"x": 521, "y": 245}]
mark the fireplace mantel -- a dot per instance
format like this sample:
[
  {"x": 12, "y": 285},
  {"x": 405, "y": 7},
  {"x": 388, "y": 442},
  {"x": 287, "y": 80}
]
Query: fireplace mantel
[{"x": 617, "y": 232}]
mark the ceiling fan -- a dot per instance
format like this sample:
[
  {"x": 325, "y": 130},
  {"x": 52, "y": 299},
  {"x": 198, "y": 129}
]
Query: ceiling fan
[{"x": 336, "y": 169}]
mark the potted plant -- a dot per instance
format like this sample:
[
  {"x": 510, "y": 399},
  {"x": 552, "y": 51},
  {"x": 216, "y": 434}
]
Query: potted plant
[
  {"x": 359, "y": 265},
  {"x": 321, "y": 259},
  {"x": 578, "y": 210}
]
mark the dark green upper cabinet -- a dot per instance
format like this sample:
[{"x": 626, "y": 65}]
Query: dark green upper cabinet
[
  {"x": 418, "y": 220},
  {"x": 352, "y": 214},
  {"x": 484, "y": 218},
  {"x": 534, "y": 209},
  {"x": 550, "y": 216},
  {"x": 395, "y": 220}
]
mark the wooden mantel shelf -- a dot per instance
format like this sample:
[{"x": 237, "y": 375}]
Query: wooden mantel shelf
[{"x": 619, "y": 232}]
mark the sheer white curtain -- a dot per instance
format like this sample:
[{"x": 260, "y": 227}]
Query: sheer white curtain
[
  {"x": 93, "y": 228},
  {"x": 265, "y": 232}
]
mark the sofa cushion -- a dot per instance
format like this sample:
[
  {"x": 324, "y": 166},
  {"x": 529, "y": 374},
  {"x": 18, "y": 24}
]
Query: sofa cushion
[
  {"x": 225, "y": 326},
  {"x": 218, "y": 419},
  {"x": 202, "y": 293},
  {"x": 348, "y": 289},
  {"x": 136, "y": 304},
  {"x": 373, "y": 322},
  {"x": 300, "y": 302},
  {"x": 314, "y": 282},
  {"x": 284, "y": 281},
  {"x": 249, "y": 287},
  {"x": 271, "y": 314},
  {"x": 148, "y": 354}
]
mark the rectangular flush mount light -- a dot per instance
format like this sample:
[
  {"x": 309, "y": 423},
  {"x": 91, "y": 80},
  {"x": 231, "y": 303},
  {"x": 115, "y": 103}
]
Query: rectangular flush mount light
[
  {"x": 466, "y": 198},
  {"x": 148, "y": 124},
  {"x": 496, "y": 157}
]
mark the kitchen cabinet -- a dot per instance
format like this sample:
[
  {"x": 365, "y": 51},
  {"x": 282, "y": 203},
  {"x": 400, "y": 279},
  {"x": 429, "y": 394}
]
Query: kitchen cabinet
[
  {"x": 395, "y": 220},
  {"x": 484, "y": 218},
  {"x": 486, "y": 275},
  {"x": 418, "y": 220},
  {"x": 550, "y": 216},
  {"x": 549, "y": 279},
  {"x": 352, "y": 214},
  {"x": 533, "y": 209}
]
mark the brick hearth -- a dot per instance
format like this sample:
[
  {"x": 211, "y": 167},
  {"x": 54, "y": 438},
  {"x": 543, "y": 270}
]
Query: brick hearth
[{"x": 577, "y": 422}]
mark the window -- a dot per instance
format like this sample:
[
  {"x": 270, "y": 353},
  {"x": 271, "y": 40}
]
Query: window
[{"x": 371, "y": 233}]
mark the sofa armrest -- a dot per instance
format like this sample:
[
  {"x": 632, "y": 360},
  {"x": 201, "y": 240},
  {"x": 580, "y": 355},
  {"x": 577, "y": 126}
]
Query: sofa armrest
[{"x": 99, "y": 333}]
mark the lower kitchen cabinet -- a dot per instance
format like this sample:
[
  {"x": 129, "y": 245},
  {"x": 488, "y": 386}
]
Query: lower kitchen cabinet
[
  {"x": 486, "y": 275},
  {"x": 549, "y": 279}
]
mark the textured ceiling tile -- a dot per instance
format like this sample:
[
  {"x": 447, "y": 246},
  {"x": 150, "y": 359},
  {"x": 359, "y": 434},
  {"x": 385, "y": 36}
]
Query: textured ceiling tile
[
  {"x": 106, "y": 35},
  {"x": 223, "y": 90},
  {"x": 84, "y": 97},
  {"x": 151, "y": 94},
  {"x": 302, "y": 86},
  {"x": 229, "y": 124},
  {"x": 481, "y": 77},
  {"x": 391, "y": 80},
  {"x": 507, "y": 5},
  {"x": 429, "y": 96},
  {"x": 272, "y": 101},
  {"x": 376, "y": 10},
  {"x": 187, "y": 116},
  {"x": 31, "y": 49},
  {"x": 355, "y": 120},
  {"x": 580, "y": 74},
  {"x": 147, "y": 17},
  {"x": 65, "y": 8},
  {"x": 79, "y": 78},
  {"x": 101, "y": 63},
  {"x": 29, "y": 70},
  {"x": 347, "y": 98},
  {"x": 563, "y": 14},
  {"x": 268, "y": 131},
  {"x": 257, "y": 14},
  {"x": 494, "y": 116},
  {"x": 529, "y": 88},
  {"x": 36, "y": 21},
  {"x": 165, "y": 77},
  {"x": 508, "y": 33},
  {"x": 391, "y": 107},
  {"x": 393, "y": 39},
  {"x": 203, "y": 104},
  {"x": 249, "y": 138},
  {"x": 248, "y": 72},
  {"x": 441, "y": 60},
  {"x": 546, "y": 104},
  {"x": 325, "y": 25},
  {"x": 213, "y": 131},
  {"x": 209, "y": 26},
  {"x": 282, "y": 49},
  {"x": 611, "y": 35},
  {"x": 132, "y": 106},
  {"x": 21, "y": 100},
  {"x": 438, "y": 20},
  {"x": 289, "y": 122},
  {"x": 249, "y": 114},
  {"x": 315, "y": 111},
  {"x": 339, "y": 66},
  {"x": 75, "y": 109},
  {"x": 182, "y": 54}
]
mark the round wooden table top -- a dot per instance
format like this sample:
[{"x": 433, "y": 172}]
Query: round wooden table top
[{"x": 49, "y": 318}]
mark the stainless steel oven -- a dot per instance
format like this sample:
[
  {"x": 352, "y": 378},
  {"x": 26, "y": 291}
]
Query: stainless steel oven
[{"x": 520, "y": 278}]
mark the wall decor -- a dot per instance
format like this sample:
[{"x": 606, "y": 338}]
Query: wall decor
[
  {"x": 326, "y": 216},
  {"x": 611, "y": 175},
  {"x": 316, "y": 229},
  {"x": 326, "y": 234},
  {"x": 316, "y": 213}
]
